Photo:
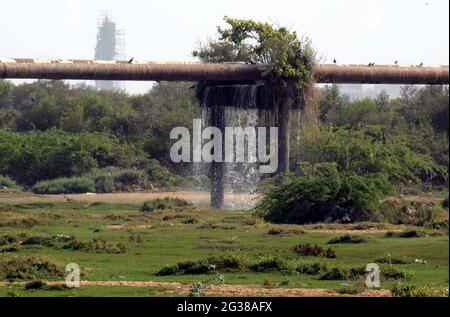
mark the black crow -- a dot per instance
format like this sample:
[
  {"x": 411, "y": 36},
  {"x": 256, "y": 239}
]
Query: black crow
[
  {"x": 131, "y": 60},
  {"x": 334, "y": 61}
]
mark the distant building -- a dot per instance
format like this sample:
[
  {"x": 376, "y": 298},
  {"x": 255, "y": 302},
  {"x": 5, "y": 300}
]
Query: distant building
[{"x": 110, "y": 46}]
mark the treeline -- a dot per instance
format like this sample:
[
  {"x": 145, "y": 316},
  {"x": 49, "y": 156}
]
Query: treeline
[
  {"x": 143, "y": 120},
  {"x": 50, "y": 130}
]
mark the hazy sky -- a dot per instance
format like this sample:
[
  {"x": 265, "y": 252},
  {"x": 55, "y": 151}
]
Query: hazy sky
[{"x": 352, "y": 31}]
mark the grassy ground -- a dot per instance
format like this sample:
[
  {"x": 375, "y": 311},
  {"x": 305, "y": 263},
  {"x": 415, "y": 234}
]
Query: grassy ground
[{"x": 156, "y": 240}]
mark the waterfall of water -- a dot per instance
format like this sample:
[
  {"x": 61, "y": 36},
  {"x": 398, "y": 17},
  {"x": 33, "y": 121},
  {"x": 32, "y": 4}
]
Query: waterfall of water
[{"x": 235, "y": 106}]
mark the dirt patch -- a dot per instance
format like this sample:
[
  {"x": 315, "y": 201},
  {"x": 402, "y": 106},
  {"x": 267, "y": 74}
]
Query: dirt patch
[
  {"x": 231, "y": 290},
  {"x": 122, "y": 198}
]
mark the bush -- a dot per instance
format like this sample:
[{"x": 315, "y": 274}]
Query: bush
[
  {"x": 324, "y": 194},
  {"x": 164, "y": 204},
  {"x": 26, "y": 268},
  {"x": 269, "y": 264},
  {"x": 8, "y": 239},
  {"x": 406, "y": 234},
  {"x": 105, "y": 180},
  {"x": 408, "y": 213},
  {"x": 314, "y": 250},
  {"x": 438, "y": 224},
  {"x": 412, "y": 234},
  {"x": 7, "y": 182},
  {"x": 190, "y": 221},
  {"x": 35, "y": 285},
  {"x": 400, "y": 290},
  {"x": 104, "y": 184},
  {"x": 312, "y": 269},
  {"x": 43, "y": 155},
  {"x": 390, "y": 272},
  {"x": 391, "y": 260},
  {"x": 283, "y": 232},
  {"x": 229, "y": 262},
  {"x": 347, "y": 239},
  {"x": 334, "y": 274},
  {"x": 406, "y": 156},
  {"x": 74, "y": 185},
  {"x": 97, "y": 245},
  {"x": 186, "y": 268}
]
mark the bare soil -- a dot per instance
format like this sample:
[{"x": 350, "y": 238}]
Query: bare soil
[{"x": 174, "y": 288}]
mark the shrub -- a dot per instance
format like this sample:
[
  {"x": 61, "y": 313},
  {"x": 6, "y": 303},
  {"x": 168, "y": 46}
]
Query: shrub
[
  {"x": 74, "y": 185},
  {"x": 27, "y": 268},
  {"x": 8, "y": 239},
  {"x": 406, "y": 234},
  {"x": 97, "y": 245},
  {"x": 158, "y": 175},
  {"x": 186, "y": 268},
  {"x": 283, "y": 232},
  {"x": 190, "y": 221},
  {"x": 350, "y": 289},
  {"x": 438, "y": 224},
  {"x": 408, "y": 213},
  {"x": 7, "y": 182},
  {"x": 400, "y": 290},
  {"x": 35, "y": 285},
  {"x": 334, "y": 274},
  {"x": 390, "y": 272},
  {"x": 104, "y": 184},
  {"x": 9, "y": 248},
  {"x": 314, "y": 250},
  {"x": 321, "y": 194},
  {"x": 347, "y": 239},
  {"x": 41, "y": 155},
  {"x": 44, "y": 241},
  {"x": 130, "y": 180},
  {"x": 412, "y": 234},
  {"x": 229, "y": 262},
  {"x": 163, "y": 204},
  {"x": 269, "y": 264},
  {"x": 312, "y": 269},
  {"x": 388, "y": 259}
]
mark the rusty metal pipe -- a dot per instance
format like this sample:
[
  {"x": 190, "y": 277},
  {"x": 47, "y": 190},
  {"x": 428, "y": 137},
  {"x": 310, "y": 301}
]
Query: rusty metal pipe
[{"x": 195, "y": 71}]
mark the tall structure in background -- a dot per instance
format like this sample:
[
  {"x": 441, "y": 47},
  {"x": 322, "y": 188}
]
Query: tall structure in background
[{"x": 110, "y": 46}]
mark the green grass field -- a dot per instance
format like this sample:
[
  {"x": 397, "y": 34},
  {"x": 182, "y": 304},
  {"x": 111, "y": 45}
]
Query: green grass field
[{"x": 164, "y": 238}]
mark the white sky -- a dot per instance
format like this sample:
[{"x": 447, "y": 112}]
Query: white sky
[{"x": 352, "y": 31}]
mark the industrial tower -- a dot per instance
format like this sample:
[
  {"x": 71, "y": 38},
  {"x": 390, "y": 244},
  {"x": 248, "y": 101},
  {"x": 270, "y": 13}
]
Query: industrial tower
[{"x": 110, "y": 46}]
